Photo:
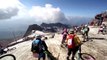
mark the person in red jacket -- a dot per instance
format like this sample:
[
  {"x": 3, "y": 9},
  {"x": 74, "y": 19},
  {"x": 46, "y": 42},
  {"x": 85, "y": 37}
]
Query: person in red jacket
[{"x": 73, "y": 44}]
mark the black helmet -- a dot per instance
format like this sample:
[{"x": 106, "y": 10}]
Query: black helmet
[
  {"x": 39, "y": 36},
  {"x": 71, "y": 31}
]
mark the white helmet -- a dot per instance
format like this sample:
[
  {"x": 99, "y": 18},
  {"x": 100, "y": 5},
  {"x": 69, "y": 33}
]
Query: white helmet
[{"x": 86, "y": 25}]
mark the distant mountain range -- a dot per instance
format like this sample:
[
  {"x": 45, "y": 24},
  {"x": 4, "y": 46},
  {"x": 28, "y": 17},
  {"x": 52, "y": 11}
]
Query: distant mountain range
[
  {"x": 57, "y": 25},
  {"x": 32, "y": 27},
  {"x": 51, "y": 27}
]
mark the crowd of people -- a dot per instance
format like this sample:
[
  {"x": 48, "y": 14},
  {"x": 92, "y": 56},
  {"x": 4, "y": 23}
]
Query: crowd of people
[
  {"x": 72, "y": 41},
  {"x": 69, "y": 38}
]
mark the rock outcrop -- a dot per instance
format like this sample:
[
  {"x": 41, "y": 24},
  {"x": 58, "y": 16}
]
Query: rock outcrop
[
  {"x": 55, "y": 25},
  {"x": 32, "y": 27},
  {"x": 101, "y": 17}
]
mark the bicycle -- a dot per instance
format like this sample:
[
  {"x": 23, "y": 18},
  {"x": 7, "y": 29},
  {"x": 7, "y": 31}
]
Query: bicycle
[
  {"x": 84, "y": 56},
  {"x": 8, "y": 57}
]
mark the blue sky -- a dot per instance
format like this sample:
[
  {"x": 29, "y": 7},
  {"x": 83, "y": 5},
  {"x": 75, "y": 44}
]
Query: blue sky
[{"x": 84, "y": 8}]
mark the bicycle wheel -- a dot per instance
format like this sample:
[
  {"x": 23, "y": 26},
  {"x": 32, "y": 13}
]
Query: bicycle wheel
[
  {"x": 85, "y": 56},
  {"x": 7, "y": 57}
]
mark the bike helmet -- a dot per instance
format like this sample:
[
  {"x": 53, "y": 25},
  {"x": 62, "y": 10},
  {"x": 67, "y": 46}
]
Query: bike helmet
[{"x": 71, "y": 31}]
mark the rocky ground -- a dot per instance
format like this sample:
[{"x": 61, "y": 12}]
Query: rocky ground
[{"x": 96, "y": 46}]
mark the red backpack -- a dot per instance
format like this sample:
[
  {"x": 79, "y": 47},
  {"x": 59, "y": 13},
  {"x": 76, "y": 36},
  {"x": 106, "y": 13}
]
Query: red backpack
[{"x": 70, "y": 39}]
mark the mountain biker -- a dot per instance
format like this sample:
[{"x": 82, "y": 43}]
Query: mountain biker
[
  {"x": 64, "y": 33},
  {"x": 39, "y": 46},
  {"x": 104, "y": 28},
  {"x": 73, "y": 44},
  {"x": 100, "y": 29},
  {"x": 75, "y": 28},
  {"x": 85, "y": 31}
]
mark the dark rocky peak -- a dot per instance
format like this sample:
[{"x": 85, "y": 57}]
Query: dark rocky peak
[
  {"x": 101, "y": 15},
  {"x": 33, "y": 27},
  {"x": 54, "y": 25}
]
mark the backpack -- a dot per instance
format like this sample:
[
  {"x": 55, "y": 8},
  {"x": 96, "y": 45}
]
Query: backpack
[
  {"x": 86, "y": 29},
  {"x": 73, "y": 41},
  {"x": 77, "y": 41},
  {"x": 70, "y": 39},
  {"x": 82, "y": 31},
  {"x": 36, "y": 46}
]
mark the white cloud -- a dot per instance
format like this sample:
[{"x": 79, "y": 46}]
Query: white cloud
[
  {"x": 14, "y": 10},
  {"x": 47, "y": 14},
  {"x": 10, "y": 9}
]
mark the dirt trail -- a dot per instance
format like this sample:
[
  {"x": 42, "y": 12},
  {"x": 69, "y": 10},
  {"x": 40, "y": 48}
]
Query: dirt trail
[{"x": 97, "y": 47}]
